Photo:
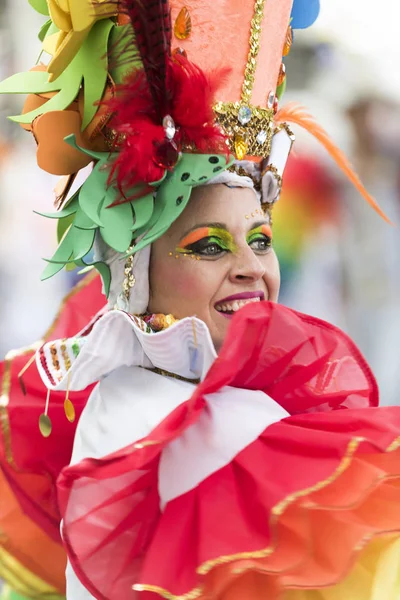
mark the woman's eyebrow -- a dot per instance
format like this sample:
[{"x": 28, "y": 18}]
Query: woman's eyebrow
[
  {"x": 200, "y": 225},
  {"x": 258, "y": 224}
]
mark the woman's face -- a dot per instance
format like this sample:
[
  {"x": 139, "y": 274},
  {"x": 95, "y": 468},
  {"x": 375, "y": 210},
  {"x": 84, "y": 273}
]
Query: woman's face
[{"x": 214, "y": 259}]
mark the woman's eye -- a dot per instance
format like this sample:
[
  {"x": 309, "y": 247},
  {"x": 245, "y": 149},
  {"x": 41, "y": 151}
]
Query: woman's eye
[
  {"x": 261, "y": 244},
  {"x": 206, "y": 247}
]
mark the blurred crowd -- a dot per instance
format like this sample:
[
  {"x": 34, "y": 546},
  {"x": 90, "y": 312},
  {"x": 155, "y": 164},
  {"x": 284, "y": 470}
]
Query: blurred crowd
[{"x": 339, "y": 260}]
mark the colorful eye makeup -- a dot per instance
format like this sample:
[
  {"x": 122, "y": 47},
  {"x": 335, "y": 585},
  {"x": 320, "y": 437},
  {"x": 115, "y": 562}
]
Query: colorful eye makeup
[
  {"x": 207, "y": 241},
  {"x": 255, "y": 234},
  {"x": 213, "y": 241}
]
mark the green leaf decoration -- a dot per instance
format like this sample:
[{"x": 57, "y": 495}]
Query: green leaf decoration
[
  {"x": 92, "y": 209},
  {"x": 40, "y": 6},
  {"x": 44, "y": 30},
  {"x": 117, "y": 226},
  {"x": 82, "y": 221},
  {"x": 174, "y": 192},
  {"x": 70, "y": 209},
  {"x": 63, "y": 225},
  {"x": 143, "y": 209},
  {"x": 88, "y": 68},
  {"x": 62, "y": 255},
  {"x": 82, "y": 241},
  {"x": 104, "y": 271}
]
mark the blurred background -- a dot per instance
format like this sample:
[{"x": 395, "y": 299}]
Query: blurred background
[{"x": 339, "y": 260}]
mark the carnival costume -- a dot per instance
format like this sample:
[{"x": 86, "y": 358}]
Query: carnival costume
[{"x": 266, "y": 471}]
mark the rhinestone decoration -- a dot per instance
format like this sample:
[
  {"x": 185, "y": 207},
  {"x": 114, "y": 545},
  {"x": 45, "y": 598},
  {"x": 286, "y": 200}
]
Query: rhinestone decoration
[
  {"x": 241, "y": 146},
  {"x": 262, "y": 137},
  {"x": 282, "y": 75},
  {"x": 271, "y": 99},
  {"x": 183, "y": 24},
  {"x": 243, "y": 134},
  {"x": 244, "y": 115},
  {"x": 179, "y": 51},
  {"x": 166, "y": 155},
  {"x": 169, "y": 127},
  {"x": 288, "y": 41},
  {"x": 276, "y": 105}
]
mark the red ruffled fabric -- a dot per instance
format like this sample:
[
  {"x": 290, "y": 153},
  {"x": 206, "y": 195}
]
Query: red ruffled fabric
[
  {"x": 29, "y": 462},
  {"x": 291, "y": 510}
]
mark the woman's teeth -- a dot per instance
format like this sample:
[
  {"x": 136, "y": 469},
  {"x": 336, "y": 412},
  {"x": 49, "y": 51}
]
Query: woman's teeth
[{"x": 235, "y": 305}]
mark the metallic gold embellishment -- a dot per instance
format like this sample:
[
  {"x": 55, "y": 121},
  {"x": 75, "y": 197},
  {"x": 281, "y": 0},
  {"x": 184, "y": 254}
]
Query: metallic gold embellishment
[
  {"x": 239, "y": 170},
  {"x": 129, "y": 280},
  {"x": 286, "y": 127},
  {"x": 69, "y": 408},
  {"x": 165, "y": 373},
  {"x": 196, "y": 593},
  {"x": 254, "y": 42},
  {"x": 244, "y": 135},
  {"x": 183, "y": 24},
  {"x": 64, "y": 354}
]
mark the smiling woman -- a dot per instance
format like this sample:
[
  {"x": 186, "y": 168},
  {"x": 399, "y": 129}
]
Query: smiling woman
[
  {"x": 215, "y": 258},
  {"x": 230, "y": 448}
]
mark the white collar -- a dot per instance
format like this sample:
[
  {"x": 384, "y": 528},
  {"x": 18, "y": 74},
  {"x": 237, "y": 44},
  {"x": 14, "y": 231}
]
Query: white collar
[{"x": 118, "y": 339}]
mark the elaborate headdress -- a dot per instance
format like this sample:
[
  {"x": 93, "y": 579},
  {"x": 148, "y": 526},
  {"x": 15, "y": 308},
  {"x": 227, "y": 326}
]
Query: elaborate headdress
[{"x": 161, "y": 97}]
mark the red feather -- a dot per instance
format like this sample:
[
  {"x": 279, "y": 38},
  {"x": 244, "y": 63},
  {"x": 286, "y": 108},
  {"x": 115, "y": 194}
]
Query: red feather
[{"x": 136, "y": 119}]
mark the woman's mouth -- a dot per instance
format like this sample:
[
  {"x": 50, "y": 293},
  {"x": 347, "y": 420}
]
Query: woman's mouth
[{"x": 229, "y": 306}]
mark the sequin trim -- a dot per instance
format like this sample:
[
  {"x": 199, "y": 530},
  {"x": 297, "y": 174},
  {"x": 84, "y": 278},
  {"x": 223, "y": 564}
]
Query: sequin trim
[
  {"x": 55, "y": 360},
  {"x": 65, "y": 355},
  {"x": 75, "y": 348},
  {"x": 45, "y": 367},
  {"x": 277, "y": 511},
  {"x": 255, "y": 37}
]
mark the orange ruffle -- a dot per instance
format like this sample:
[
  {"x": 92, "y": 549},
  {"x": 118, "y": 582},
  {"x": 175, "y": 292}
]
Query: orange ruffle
[
  {"x": 337, "y": 519},
  {"x": 34, "y": 562}
]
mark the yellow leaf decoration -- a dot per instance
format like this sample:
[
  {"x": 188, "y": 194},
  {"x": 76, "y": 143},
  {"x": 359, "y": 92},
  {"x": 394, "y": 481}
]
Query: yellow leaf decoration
[{"x": 74, "y": 19}]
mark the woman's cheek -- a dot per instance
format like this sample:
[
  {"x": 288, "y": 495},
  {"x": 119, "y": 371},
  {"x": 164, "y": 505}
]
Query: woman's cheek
[{"x": 193, "y": 281}]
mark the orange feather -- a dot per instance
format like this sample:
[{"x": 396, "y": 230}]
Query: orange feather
[{"x": 297, "y": 114}]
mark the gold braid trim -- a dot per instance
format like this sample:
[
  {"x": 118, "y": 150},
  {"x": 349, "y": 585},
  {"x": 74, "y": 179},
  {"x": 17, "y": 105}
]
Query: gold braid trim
[
  {"x": 278, "y": 510},
  {"x": 255, "y": 38}
]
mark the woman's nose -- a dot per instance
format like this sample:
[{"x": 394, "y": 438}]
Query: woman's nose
[{"x": 246, "y": 266}]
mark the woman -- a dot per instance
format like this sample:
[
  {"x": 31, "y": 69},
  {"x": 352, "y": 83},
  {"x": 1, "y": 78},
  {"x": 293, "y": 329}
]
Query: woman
[{"x": 205, "y": 464}]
